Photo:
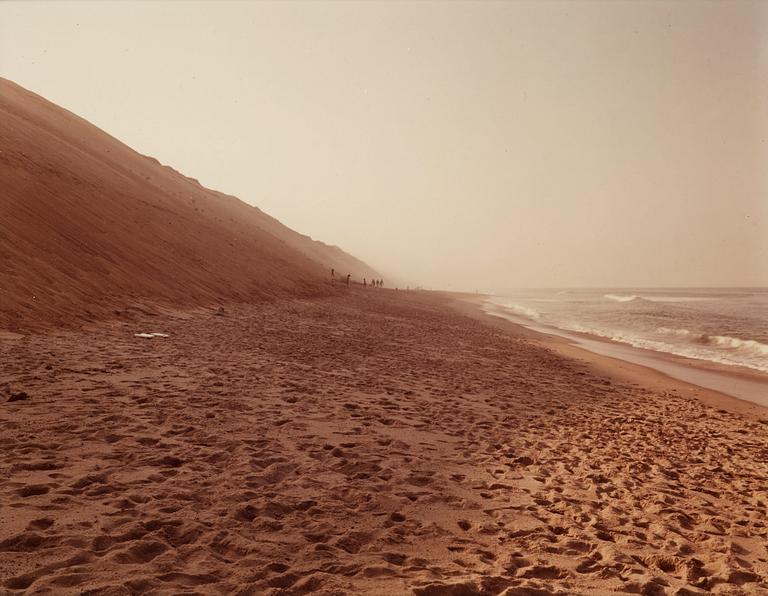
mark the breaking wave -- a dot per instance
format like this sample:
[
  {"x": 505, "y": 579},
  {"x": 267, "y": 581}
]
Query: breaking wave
[
  {"x": 725, "y": 331},
  {"x": 634, "y": 297},
  {"x": 519, "y": 310},
  {"x": 747, "y": 346},
  {"x": 621, "y": 298},
  {"x": 715, "y": 348},
  {"x": 522, "y": 311}
]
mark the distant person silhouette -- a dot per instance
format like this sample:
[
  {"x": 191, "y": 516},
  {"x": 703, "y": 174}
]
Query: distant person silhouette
[
  {"x": 363, "y": 282},
  {"x": 347, "y": 279}
]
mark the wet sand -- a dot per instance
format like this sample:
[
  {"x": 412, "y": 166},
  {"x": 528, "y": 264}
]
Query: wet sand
[{"x": 377, "y": 442}]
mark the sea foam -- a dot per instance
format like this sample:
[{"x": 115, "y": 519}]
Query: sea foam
[
  {"x": 519, "y": 310},
  {"x": 749, "y": 346},
  {"x": 684, "y": 323},
  {"x": 620, "y": 297}
]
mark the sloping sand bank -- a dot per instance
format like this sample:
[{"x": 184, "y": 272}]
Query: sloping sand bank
[
  {"x": 377, "y": 442},
  {"x": 92, "y": 230}
]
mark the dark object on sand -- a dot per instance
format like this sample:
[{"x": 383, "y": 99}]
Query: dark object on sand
[
  {"x": 220, "y": 312},
  {"x": 12, "y": 395}
]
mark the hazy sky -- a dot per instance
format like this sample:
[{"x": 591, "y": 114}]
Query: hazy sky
[{"x": 454, "y": 144}]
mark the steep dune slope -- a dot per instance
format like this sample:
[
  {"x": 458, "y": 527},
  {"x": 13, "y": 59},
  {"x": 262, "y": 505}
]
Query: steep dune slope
[{"x": 89, "y": 227}]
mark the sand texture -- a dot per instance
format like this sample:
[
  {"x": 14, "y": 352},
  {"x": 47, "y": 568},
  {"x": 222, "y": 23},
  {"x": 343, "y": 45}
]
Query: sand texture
[
  {"x": 91, "y": 229},
  {"x": 377, "y": 443}
]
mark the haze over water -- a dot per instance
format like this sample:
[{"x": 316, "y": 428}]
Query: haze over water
[{"x": 722, "y": 325}]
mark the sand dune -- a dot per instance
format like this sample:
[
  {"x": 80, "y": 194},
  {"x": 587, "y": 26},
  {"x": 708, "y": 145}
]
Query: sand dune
[
  {"x": 377, "y": 443},
  {"x": 90, "y": 227}
]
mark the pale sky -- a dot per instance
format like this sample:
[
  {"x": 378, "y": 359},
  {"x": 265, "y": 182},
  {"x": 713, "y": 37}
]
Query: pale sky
[{"x": 455, "y": 145}]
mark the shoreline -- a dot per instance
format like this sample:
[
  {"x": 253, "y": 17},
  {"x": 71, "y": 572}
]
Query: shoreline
[{"x": 615, "y": 367}]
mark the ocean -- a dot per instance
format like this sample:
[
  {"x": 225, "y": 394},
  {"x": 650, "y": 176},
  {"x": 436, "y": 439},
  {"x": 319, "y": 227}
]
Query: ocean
[{"x": 727, "y": 326}]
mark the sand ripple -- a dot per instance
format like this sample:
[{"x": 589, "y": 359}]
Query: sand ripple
[{"x": 367, "y": 444}]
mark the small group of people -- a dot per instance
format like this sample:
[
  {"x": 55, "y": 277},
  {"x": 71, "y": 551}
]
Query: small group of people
[{"x": 374, "y": 283}]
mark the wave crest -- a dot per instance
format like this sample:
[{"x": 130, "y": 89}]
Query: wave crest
[
  {"x": 747, "y": 346},
  {"x": 622, "y": 297},
  {"x": 523, "y": 311},
  {"x": 734, "y": 343},
  {"x": 676, "y": 332},
  {"x": 515, "y": 309}
]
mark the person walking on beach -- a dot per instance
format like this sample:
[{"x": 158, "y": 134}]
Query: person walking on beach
[
  {"x": 363, "y": 282},
  {"x": 347, "y": 279},
  {"x": 333, "y": 275}
]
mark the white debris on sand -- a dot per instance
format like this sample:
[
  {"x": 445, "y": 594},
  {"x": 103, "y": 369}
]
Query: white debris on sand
[{"x": 150, "y": 335}]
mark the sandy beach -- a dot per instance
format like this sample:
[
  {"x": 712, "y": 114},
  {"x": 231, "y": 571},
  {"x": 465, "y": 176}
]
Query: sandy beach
[
  {"x": 383, "y": 298},
  {"x": 374, "y": 442}
]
